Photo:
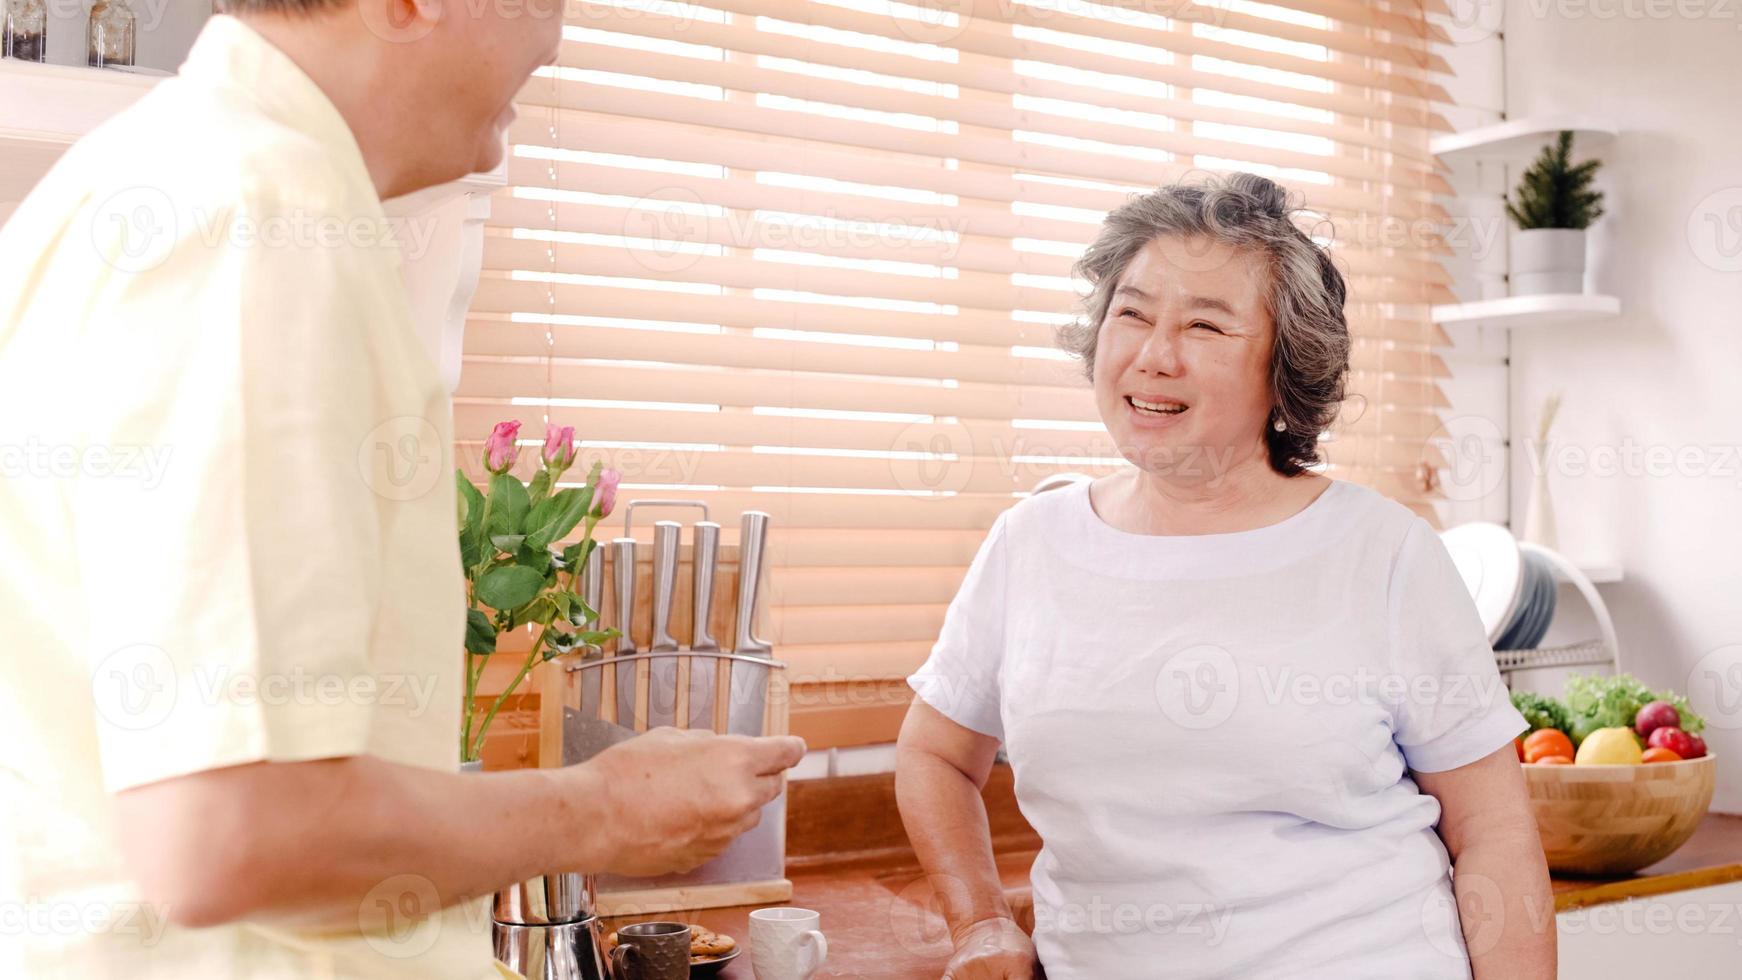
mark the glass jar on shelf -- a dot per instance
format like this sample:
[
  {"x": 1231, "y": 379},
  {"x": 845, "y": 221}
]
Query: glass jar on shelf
[
  {"x": 111, "y": 34},
  {"x": 24, "y": 33}
]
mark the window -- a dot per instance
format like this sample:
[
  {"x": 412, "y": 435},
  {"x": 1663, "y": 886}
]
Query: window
[{"x": 806, "y": 257}]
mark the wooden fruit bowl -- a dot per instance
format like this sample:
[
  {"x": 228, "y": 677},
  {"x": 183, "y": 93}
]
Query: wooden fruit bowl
[{"x": 1609, "y": 820}]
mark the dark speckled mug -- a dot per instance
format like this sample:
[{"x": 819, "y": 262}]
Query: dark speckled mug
[{"x": 652, "y": 951}]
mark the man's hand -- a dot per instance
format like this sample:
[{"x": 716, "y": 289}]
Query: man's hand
[
  {"x": 677, "y": 798},
  {"x": 992, "y": 949}
]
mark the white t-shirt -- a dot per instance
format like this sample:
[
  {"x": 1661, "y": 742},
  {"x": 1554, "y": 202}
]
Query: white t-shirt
[{"x": 1213, "y": 735}]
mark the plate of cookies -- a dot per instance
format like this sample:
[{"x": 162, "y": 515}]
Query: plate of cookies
[{"x": 710, "y": 951}]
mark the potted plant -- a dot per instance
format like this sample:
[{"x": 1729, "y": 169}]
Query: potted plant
[
  {"x": 1552, "y": 207},
  {"x": 516, "y": 576}
]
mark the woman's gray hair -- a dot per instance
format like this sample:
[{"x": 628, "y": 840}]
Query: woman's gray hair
[{"x": 1309, "y": 363}]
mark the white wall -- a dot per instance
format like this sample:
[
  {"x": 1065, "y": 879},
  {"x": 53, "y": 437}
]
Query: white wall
[
  {"x": 1658, "y": 391},
  {"x": 167, "y": 29}
]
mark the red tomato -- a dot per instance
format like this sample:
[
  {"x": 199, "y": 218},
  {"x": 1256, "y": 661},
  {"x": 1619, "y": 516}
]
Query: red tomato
[
  {"x": 1655, "y": 754},
  {"x": 1546, "y": 742},
  {"x": 1673, "y": 739},
  {"x": 1555, "y": 760},
  {"x": 1699, "y": 745}
]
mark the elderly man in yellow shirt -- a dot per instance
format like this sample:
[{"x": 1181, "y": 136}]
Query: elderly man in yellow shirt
[{"x": 230, "y": 678}]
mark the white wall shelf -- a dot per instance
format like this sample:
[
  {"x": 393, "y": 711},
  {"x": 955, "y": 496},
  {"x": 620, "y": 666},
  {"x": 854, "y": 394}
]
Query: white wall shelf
[
  {"x": 1517, "y": 141},
  {"x": 1512, "y": 312},
  {"x": 46, "y": 108}
]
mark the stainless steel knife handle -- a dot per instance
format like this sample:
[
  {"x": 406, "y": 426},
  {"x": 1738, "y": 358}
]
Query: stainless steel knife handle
[
  {"x": 704, "y": 555},
  {"x": 752, "y": 540},
  {"x": 665, "y": 541},
  {"x": 593, "y": 584},
  {"x": 623, "y": 570},
  {"x": 623, "y": 567}
]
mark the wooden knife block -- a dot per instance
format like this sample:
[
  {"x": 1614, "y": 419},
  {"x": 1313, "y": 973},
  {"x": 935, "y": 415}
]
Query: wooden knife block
[{"x": 703, "y": 888}]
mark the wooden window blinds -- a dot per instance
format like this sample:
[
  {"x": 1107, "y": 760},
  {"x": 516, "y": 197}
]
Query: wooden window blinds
[{"x": 807, "y": 256}]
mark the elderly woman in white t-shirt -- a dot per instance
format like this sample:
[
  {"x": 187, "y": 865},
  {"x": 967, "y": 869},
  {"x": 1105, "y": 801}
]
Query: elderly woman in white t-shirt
[{"x": 1251, "y": 710}]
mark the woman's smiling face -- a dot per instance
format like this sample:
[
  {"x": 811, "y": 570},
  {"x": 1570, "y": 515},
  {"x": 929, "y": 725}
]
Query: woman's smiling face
[{"x": 1182, "y": 358}]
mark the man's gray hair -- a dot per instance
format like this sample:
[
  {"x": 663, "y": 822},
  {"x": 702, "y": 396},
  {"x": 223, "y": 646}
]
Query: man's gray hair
[{"x": 1309, "y": 363}]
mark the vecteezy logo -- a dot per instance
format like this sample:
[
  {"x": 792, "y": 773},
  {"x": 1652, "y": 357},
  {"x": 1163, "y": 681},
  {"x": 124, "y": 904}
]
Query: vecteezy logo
[
  {"x": 134, "y": 688},
  {"x": 932, "y": 458},
  {"x": 1715, "y": 687},
  {"x": 1474, "y": 452},
  {"x": 1471, "y": 21},
  {"x": 667, "y": 230},
  {"x": 401, "y": 459},
  {"x": 1198, "y": 687},
  {"x": 934, "y": 21},
  {"x": 398, "y": 916},
  {"x": 135, "y": 229},
  {"x": 1715, "y": 230}
]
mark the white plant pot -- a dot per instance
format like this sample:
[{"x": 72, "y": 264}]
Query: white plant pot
[{"x": 1548, "y": 260}]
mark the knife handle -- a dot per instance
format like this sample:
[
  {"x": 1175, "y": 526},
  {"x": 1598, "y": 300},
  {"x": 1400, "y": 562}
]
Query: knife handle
[
  {"x": 665, "y": 541},
  {"x": 704, "y": 555},
  {"x": 623, "y": 568},
  {"x": 593, "y": 585},
  {"x": 752, "y": 540}
]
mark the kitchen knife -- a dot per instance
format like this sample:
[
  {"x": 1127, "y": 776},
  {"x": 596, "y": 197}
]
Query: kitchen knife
[
  {"x": 705, "y": 551},
  {"x": 585, "y": 704},
  {"x": 662, "y": 671},
  {"x": 749, "y": 691},
  {"x": 623, "y": 568}
]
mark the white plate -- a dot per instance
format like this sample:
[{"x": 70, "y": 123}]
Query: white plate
[{"x": 1488, "y": 560}]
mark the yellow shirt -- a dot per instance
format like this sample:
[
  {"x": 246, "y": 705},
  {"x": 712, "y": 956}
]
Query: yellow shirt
[{"x": 226, "y": 513}]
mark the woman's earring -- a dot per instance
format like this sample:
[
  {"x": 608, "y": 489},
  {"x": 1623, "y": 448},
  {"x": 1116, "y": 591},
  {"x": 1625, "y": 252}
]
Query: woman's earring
[{"x": 1279, "y": 425}]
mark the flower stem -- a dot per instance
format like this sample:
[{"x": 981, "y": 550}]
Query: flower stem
[{"x": 533, "y": 658}]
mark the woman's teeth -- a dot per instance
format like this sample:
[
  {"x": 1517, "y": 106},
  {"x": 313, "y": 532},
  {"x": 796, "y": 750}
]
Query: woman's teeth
[{"x": 1155, "y": 408}]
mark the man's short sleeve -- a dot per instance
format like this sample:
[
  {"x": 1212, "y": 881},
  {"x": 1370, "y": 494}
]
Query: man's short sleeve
[
  {"x": 231, "y": 591},
  {"x": 1453, "y": 708},
  {"x": 960, "y": 678}
]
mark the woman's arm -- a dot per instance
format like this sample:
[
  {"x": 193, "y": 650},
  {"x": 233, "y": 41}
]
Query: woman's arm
[
  {"x": 939, "y": 772},
  {"x": 1498, "y": 871}
]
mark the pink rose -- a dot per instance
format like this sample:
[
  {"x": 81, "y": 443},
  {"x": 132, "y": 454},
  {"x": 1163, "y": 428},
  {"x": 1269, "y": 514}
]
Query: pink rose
[
  {"x": 559, "y": 446},
  {"x": 499, "y": 450},
  {"x": 606, "y": 495}
]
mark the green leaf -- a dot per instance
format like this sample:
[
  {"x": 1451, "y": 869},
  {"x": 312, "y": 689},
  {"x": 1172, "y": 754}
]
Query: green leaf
[
  {"x": 540, "y": 486},
  {"x": 509, "y": 586},
  {"x": 598, "y": 637},
  {"x": 540, "y": 610},
  {"x": 471, "y": 529},
  {"x": 576, "y": 555},
  {"x": 480, "y": 632},
  {"x": 557, "y": 516},
  {"x": 507, "y": 542},
  {"x": 539, "y": 560},
  {"x": 579, "y": 612},
  {"x": 508, "y": 504},
  {"x": 563, "y": 602}
]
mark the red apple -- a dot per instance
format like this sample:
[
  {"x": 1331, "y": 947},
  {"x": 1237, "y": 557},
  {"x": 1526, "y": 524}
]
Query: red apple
[
  {"x": 1699, "y": 745},
  {"x": 1657, "y": 714},
  {"x": 1673, "y": 739}
]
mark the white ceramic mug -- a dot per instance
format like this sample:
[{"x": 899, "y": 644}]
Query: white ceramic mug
[{"x": 785, "y": 944}]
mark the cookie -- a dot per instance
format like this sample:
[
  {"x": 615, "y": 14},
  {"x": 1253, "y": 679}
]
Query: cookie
[{"x": 708, "y": 944}]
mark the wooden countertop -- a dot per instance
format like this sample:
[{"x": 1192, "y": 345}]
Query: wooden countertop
[{"x": 876, "y": 915}]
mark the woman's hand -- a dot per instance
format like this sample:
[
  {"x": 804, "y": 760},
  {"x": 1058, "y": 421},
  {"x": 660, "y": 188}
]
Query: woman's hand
[{"x": 992, "y": 949}]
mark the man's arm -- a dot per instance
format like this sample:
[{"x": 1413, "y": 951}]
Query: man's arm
[
  {"x": 1498, "y": 871},
  {"x": 303, "y": 843}
]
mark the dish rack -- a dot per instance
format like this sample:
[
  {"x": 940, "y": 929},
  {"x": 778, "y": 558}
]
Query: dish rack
[
  {"x": 597, "y": 697},
  {"x": 1604, "y": 649}
]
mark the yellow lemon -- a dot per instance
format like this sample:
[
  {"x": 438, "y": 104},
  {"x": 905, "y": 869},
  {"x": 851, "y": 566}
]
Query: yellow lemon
[{"x": 1609, "y": 746}]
